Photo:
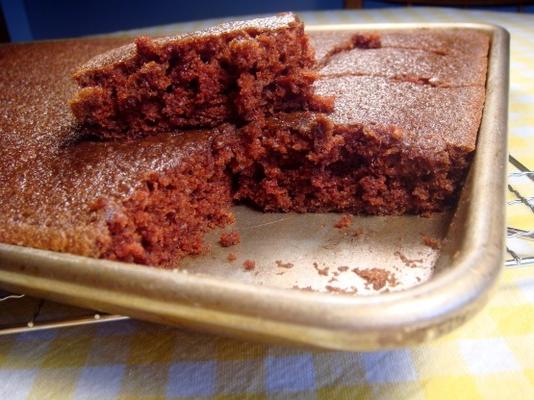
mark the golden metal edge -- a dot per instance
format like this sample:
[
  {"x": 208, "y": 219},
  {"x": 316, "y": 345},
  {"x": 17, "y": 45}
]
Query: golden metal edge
[
  {"x": 317, "y": 319},
  {"x": 88, "y": 320}
]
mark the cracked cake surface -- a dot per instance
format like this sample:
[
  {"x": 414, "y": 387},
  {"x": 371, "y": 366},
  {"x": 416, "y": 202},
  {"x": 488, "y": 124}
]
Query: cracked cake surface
[
  {"x": 418, "y": 66},
  {"x": 424, "y": 116},
  {"x": 475, "y": 44}
]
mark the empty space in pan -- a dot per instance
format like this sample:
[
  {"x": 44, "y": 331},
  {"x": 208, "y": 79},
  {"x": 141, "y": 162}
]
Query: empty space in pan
[{"x": 327, "y": 252}]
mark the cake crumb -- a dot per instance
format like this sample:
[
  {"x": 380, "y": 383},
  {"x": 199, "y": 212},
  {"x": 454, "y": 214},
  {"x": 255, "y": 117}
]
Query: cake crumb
[
  {"x": 407, "y": 261},
  {"x": 228, "y": 239},
  {"x": 231, "y": 257},
  {"x": 249, "y": 265},
  {"x": 343, "y": 268},
  {"x": 431, "y": 242},
  {"x": 357, "y": 233},
  {"x": 321, "y": 271},
  {"x": 377, "y": 277},
  {"x": 334, "y": 289},
  {"x": 331, "y": 244},
  {"x": 332, "y": 280},
  {"x": 344, "y": 221},
  {"x": 281, "y": 264},
  {"x": 305, "y": 288}
]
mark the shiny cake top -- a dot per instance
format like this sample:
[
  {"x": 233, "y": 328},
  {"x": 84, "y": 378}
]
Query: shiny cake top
[{"x": 231, "y": 28}]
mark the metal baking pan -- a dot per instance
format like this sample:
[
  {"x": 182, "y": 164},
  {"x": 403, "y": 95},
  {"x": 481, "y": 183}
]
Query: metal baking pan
[{"x": 435, "y": 290}]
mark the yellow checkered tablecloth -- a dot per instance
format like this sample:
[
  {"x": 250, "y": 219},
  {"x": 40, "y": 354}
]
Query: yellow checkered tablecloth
[{"x": 491, "y": 357}]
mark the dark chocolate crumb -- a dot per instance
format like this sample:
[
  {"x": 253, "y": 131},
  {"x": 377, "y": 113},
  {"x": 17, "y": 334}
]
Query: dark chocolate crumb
[
  {"x": 344, "y": 222},
  {"x": 305, "y": 288},
  {"x": 407, "y": 261},
  {"x": 249, "y": 265},
  {"x": 377, "y": 277},
  {"x": 431, "y": 242},
  {"x": 228, "y": 239},
  {"x": 281, "y": 264},
  {"x": 334, "y": 289},
  {"x": 321, "y": 271},
  {"x": 343, "y": 268},
  {"x": 357, "y": 233},
  {"x": 331, "y": 244}
]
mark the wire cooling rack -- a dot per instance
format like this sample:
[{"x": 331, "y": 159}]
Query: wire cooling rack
[
  {"x": 21, "y": 313},
  {"x": 520, "y": 242}
]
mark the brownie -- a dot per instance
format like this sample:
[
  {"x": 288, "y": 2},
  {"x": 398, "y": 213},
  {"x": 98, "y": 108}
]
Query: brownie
[
  {"x": 147, "y": 201},
  {"x": 234, "y": 72}
]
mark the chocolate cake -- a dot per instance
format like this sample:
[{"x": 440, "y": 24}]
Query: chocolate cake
[
  {"x": 419, "y": 66},
  {"x": 397, "y": 141},
  {"x": 401, "y": 135},
  {"x": 389, "y": 147},
  {"x": 454, "y": 42},
  {"x": 236, "y": 71},
  {"x": 329, "y": 43},
  {"x": 146, "y": 201}
]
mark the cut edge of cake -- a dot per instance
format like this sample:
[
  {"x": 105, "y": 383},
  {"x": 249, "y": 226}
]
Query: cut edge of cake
[{"x": 236, "y": 72}]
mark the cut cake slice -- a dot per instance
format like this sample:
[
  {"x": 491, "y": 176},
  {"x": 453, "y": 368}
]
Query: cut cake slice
[{"x": 234, "y": 72}]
